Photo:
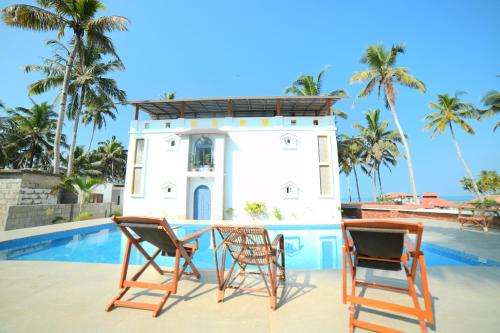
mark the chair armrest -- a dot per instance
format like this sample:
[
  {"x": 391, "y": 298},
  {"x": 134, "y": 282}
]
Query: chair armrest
[
  {"x": 194, "y": 235},
  {"x": 350, "y": 242},
  {"x": 276, "y": 241},
  {"x": 410, "y": 247}
]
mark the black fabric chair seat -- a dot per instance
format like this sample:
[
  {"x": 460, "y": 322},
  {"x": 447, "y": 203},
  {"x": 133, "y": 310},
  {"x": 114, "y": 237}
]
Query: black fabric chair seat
[{"x": 377, "y": 264}]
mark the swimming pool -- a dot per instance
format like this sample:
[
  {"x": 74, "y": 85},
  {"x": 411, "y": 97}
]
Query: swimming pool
[{"x": 309, "y": 247}]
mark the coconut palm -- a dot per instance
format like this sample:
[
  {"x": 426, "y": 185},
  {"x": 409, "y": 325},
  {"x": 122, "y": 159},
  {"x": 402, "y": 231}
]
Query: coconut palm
[
  {"x": 85, "y": 164},
  {"x": 350, "y": 150},
  {"x": 451, "y": 110},
  {"x": 31, "y": 135},
  {"x": 112, "y": 157},
  {"x": 88, "y": 79},
  {"x": 380, "y": 146},
  {"x": 168, "y": 95},
  {"x": 307, "y": 85},
  {"x": 78, "y": 16},
  {"x": 78, "y": 185},
  {"x": 96, "y": 112},
  {"x": 382, "y": 74},
  {"x": 492, "y": 102}
]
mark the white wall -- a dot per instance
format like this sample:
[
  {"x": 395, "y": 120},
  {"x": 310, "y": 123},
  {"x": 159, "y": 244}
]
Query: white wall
[{"x": 250, "y": 165}]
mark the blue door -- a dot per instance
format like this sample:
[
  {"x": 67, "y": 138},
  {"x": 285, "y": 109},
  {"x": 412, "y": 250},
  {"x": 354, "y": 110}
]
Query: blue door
[{"x": 202, "y": 200}]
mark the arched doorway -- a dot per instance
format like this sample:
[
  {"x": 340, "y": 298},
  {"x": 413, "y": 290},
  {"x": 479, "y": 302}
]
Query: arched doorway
[{"x": 202, "y": 203}]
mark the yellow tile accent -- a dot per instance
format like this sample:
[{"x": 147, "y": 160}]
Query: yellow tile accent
[
  {"x": 243, "y": 122},
  {"x": 215, "y": 123},
  {"x": 194, "y": 124},
  {"x": 265, "y": 122}
]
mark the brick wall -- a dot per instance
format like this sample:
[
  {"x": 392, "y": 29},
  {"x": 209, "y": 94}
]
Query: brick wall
[
  {"x": 26, "y": 216},
  {"x": 9, "y": 195}
]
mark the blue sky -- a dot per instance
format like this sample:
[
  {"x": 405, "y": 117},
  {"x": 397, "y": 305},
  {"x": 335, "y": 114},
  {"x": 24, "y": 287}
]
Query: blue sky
[{"x": 229, "y": 48}]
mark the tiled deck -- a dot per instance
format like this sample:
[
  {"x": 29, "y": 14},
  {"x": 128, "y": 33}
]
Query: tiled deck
[{"x": 70, "y": 297}]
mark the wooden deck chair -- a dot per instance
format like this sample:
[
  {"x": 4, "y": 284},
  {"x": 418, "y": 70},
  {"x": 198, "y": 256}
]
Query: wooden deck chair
[
  {"x": 158, "y": 233},
  {"x": 384, "y": 245},
  {"x": 249, "y": 246}
]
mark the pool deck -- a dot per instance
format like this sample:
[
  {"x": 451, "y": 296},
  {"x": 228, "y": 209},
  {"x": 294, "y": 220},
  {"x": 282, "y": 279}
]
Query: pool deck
[{"x": 70, "y": 297}]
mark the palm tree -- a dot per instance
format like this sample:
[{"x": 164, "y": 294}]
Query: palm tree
[
  {"x": 112, "y": 157},
  {"x": 307, "y": 85},
  {"x": 492, "y": 101},
  {"x": 380, "y": 146},
  {"x": 382, "y": 74},
  {"x": 85, "y": 164},
  {"x": 32, "y": 134},
  {"x": 453, "y": 111},
  {"x": 349, "y": 150},
  {"x": 88, "y": 79},
  {"x": 97, "y": 110},
  {"x": 168, "y": 95},
  {"x": 77, "y": 16},
  {"x": 78, "y": 185}
]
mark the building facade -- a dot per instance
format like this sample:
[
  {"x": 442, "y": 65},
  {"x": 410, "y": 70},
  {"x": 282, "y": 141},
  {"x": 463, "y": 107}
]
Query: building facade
[{"x": 206, "y": 159}]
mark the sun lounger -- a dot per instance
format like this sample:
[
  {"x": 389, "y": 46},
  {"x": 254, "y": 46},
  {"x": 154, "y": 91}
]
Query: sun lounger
[
  {"x": 384, "y": 245},
  {"x": 249, "y": 247},
  {"x": 158, "y": 233}
]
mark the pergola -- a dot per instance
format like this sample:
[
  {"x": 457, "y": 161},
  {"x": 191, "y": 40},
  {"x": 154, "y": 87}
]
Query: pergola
[{"x": 269, "y": 106}]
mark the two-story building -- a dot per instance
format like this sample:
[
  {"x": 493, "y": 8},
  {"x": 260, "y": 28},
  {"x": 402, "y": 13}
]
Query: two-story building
[{"x": 205, "y": 158}]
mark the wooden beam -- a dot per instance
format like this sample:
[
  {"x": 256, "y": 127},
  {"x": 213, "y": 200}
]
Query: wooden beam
[
  {"x": 327, "y": 106},
  {"x": 136, "y": 114},
  {"x": 183, "y": 109},
  {"x": 278, "y": 107},
  {"x": 230, "y": 108}
]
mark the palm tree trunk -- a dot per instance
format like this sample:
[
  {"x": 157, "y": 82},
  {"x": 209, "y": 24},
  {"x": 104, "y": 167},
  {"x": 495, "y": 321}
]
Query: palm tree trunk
[
  {"x": 374, "y": 186},
  {"x": 349, "y": 186},
  {"x": 91, "y": 138},
  {"x": 407, "y": 150},
  {"x": 64, "y": 95},
  {"x": 357, "y": 184},
  {"x": 466, "y": 167},
  {"x": 76, "y": 122},
  {"x": 379, "y": 181}
]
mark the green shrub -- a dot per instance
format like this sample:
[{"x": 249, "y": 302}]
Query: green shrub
[
  {"x": 277, "y": 214},
  {"x": 116, "y": 213},
  {"x": 83, "y": 216},
  {"x": 57, "y": 219},
  {"x": 486, "y": 203},
  {"x": 230, "y": 212},
  {"x": 255, "y": 209}
]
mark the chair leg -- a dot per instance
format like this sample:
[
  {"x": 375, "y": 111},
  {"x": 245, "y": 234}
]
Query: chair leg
[{"x": 160, "y": 305}]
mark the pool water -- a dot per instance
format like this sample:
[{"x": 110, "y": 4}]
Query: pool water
[{"x": 307, "y": 247}]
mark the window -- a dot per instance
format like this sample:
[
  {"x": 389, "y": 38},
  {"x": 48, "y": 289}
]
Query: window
[
  {"x": 172, "y": 142},
  {"x": 288, "y": 141},
  {"x": 96, "y": 198},
  {"x": 315, "y": 122},
  {"x": 293, "y": 122},
  {"x": 137, "y": 171},
  {"x": 167, "y": 125},
  {"x": 169, "y": 190},
  {"x": 203, "y": 153},
  {"x": 325, "y": 169},
  {"x": 290, "y": 190},
  {"x": 146, "y": 125}
]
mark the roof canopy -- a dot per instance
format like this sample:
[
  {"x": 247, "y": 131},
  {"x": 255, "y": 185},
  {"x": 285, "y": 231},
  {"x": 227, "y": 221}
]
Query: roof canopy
[{"x": 292, "y": 106}]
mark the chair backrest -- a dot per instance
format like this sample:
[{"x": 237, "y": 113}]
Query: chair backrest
[
  {"x": 380, "y": 240},
  {"x": 156, "y": 231},
  {"x": 252, "y": 242}
]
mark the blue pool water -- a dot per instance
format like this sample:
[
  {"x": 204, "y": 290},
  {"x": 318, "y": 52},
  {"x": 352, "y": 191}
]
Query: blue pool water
[{"x": 307, "y": 247}]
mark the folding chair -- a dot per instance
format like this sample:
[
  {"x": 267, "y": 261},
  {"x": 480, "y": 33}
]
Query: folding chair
[
  {"x": 384, "y": 245},
  {"x": 158, "y": 233},
  {"x": 249, "y": 246}
]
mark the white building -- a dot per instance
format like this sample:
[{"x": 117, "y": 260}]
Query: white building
[{"x": 204, "y": 159}]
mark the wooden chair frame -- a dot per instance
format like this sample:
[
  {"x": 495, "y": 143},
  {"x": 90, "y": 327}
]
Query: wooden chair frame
[
  {"x": 183, "y": 250},
  {"x": 350, "y": 256},
  {"x": 271, "y": 259}
]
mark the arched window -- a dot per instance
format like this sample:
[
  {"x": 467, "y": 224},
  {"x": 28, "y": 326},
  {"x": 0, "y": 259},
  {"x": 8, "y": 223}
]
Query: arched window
[{"x": 203, "y": 152}]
